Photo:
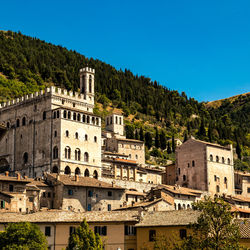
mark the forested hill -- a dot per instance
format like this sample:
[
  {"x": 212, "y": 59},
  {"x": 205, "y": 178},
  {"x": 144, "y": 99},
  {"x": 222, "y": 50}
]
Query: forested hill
[{"x": 28, "y": 64}]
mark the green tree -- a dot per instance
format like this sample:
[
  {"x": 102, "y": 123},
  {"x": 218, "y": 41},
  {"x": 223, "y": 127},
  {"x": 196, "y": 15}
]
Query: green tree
[
  {"x": 238, "y": 150},
  {"x": 163, "y": 140},
  {"x": 136, "y": 135},
  {"x": 157, "y": 139},
  {"x": 23, "y": 235},
  {"x": 129, "y": 131},
  {"x": 173, "y": 144},
  {"x": 148, "y": 140},
  {"x": 169, "y": 151},
  {"x": 215, "y": 227},
  {"x": 84, "y": 238},
  {"x": 141, "y": 134}
]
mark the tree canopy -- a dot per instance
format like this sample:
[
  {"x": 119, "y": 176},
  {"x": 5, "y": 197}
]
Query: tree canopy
[
  {"x": 84, "y": 238},
  {"x": 23, "y": 235}
]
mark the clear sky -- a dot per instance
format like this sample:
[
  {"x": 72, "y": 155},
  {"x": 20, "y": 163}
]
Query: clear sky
[{"x": 201, "y": 47}]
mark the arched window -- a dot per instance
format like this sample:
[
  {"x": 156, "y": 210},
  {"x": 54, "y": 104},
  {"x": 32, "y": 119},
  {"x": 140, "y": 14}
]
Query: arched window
[
  {"x": 107, "y": 121},
  {"x": 55, "y": 170},
  {"x": 93, "y": 120},
  {"x": 225, "y": 181},
  {"x": 228, "y": 161},
  {"x": 24, "y": 121},
  {"x": 116, "y": 120},
  {"x": 78, "y": 117},
  {"x": 55, "y": 152},
  {"x": 77, "y": 171},
  {"x": 120, "y": 121},
  {"x": 77, "y": 154},
  {"x": 97, "y": 121},
  {"x": 223, "y": 160},
  {"x": 88, "y": 119},
  {"x": 58, "y": 114},
  {"x": 25, "y": 157},
  {"x": 86, "y": 173},
  {"x": 17, "y": 123},
  {"x": 65, "y": 114},
  {"x": 67, "y": 133},
  {"x": 86, "y": 157},
  {"x": 69, "y": 115},
  {"x": 54, "y": 115},
  {"x": 111, "y": 120},
  {"x": 74, "y": 116},
  {"x": 44, "y": 115},
  {"x": 55, "y": 133},
  {"x": 179, "y": 206},
  {"x": 184, "y": 206},
  {"x": 211, "y": 157},
  {"x": 76, "y": 135},
  {"x": 175, "y": 206},
  {"x": 217, "y": 158},
  {"x": 67, "y": 170},
  {"x": 67, "y": 152},
  {"x": 86, "y": 137},
  {"x": 95, "y": 139},
  {"x": 184, "y": 177},
  {"x": 90, "y": 84},
  {"x": 217, "y": 188},
  {"x": 83, "y": 118},
  {"x": 95, "y": 174},
  {"x": 193, "y": 163},
  {"x": 188, "y": 206}
]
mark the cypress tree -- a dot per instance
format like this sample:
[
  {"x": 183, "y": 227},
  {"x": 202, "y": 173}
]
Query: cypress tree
[
  {"x": 148, "y": 140},
  {"x": 141, "y": 134},
  {"x": 169, "y": 151},
  {"x": 173, "y": 144},
  {"x": 163, "y": 140},
  {"x": 157, "y": 141}
]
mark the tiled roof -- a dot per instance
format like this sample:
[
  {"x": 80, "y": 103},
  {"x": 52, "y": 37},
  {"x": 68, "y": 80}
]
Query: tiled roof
[
  {"x": 242, "y": 173},
  {"x": 181, "y": 190},
  {"x": 84, "y": 182},
  {"x": 167, "y": 198},
  {"x": 67, "y": 216},
  {"x": 240, "y": 198},
  {"x": 113, "y": 153},
  {"x": 6, "y": 194},
  {"x": 241, "y": 210},
  {"x": 210, "y": 144},
  {"x": 169, "y": 218},
  {"x": 11, "y": 179},
  {"x": 244, "y": 226},
  {"x": 38, "y": 183},
  {"x": 129, "y": 140},
  {"x": 135, "y": 193}
]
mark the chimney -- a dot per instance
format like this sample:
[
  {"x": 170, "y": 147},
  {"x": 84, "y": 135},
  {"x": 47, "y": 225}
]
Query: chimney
[
  {"x": 6, "y": 173},
  {"x": 18, "y": 176},
  {"x": 76, "y": 178},
  {"x": 25, "y": 177}
]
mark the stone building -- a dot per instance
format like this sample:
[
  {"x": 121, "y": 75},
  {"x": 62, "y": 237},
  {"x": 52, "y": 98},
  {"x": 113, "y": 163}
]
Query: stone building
[
  {"x": 205, "y": 166},
  {"x": 242, "y": 183},
  {"x": 81, "y": 194},
  {"x": 52, "y": 131}
]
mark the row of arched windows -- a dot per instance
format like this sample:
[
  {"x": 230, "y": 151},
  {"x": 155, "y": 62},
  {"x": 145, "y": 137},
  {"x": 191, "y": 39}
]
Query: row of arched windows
[
  {"x": 23, "y": 122},
  {"x": 67, "y": 171},
  {"x": 217, "y": 159},
  {"x": 67, "y": 154},
  {"x": 109, "y": 120},
  {"x": 180, "y": 207},
  {"x": 77, "y": 136},
  {"x": 80, "y": 118}
]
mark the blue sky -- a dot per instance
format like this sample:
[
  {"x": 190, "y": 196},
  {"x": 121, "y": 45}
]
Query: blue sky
[{"x": 200, "y": 47}]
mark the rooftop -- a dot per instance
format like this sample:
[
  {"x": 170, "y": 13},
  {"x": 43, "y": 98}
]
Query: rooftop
[
  {"x": 181, "y": 190},
  {"x": 83, "y": 181},
  {"x": 67, "y": 216},
  {"x": 168, "y": 218}
]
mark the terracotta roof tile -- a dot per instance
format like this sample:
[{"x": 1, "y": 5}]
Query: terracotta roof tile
[
  {"x": 10, "y": 178},
  {"x": 181, "y": 190},
  {"x": 244, "y": 226}
]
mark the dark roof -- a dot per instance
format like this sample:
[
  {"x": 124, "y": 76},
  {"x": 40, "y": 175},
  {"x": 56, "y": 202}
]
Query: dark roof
[
  {"x": 129, "y": 140},
  {"x": 244, "y": 226},
  {"x": 67, "y": 180},
  {"x": 12, "y": 179}
]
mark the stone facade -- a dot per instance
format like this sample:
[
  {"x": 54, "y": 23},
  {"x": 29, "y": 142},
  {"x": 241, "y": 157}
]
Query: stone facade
[
  {"x": 205, "y": 166},
  {"x": 52, "y": 131}
]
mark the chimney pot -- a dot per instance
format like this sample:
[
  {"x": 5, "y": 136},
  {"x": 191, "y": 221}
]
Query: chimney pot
[
  {"x": 6, "y": 173},
  {"x": 18, "y": 176}
]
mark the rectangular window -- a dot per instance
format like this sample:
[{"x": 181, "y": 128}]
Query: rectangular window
[
  {"x": 2, "y": 204},
  {"x": 71, "y": 230},
  {"x": 47, "y": 231},
  {"x": 130, "y": 230},
  {"x": 109, "y": 207},
  {"x": 183, "y": 233},
  {"x": 152, "y": 235},
  {"x": 44, "y": 195},
  {"x": 31, "y": 199},
  {"x": 248, "y": 190},
  {"x": 11, "y": 188},
  {"x": 109, "y": 193},
  {"x": 89, "y": 207},
  {"x": 90, "y": 193},
  {"x": 49, "y": 194},
  {"x": 70, "y": 192},
  {"x": 100, "y": 230}
]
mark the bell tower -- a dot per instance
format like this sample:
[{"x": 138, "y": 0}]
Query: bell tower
[{"x": 87, "y": 84}]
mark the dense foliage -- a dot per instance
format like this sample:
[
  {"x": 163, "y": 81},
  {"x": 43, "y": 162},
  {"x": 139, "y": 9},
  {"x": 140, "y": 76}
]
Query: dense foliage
[
  {"x": 84, "y": 238},
  {"x": 23, "y": 235},
  {"x": 28, "y": 64},
  {"x": 215, "y": 227}
]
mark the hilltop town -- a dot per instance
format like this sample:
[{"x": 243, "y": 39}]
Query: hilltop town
[{"x": 60, "y": 163}]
